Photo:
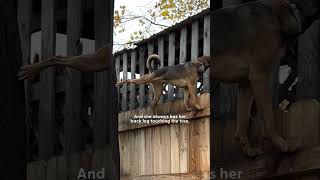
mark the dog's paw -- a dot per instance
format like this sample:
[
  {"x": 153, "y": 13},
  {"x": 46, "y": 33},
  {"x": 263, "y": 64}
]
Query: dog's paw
[
  {"x": 188, "y": 109},
  {"x": 118, "y": 84},
  {"x": 28, "y": 72},
  {"x": 252, "y": 152}
]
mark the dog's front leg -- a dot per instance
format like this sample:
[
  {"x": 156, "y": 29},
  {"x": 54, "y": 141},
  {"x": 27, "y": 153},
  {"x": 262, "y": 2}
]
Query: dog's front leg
[
  {"x": 245, "y": 101},
  {"x": 186, "y": 99},
  {"x": 192, "y": 92}
]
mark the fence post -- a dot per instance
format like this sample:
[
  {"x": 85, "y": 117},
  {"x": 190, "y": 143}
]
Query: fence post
[{"x": 47, "y": 80}]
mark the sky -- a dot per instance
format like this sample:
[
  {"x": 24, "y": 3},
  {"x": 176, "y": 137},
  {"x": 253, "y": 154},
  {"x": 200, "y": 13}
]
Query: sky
[{"x": 138, "y": 7}]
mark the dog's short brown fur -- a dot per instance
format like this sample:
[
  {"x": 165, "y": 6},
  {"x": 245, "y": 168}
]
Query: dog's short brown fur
[
  {"x": 246, "y": 41},
  {"x": 84, "y": 63},
  {"x": 182, "y": 75}
]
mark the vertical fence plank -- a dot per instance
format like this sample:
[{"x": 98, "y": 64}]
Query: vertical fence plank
[
  {"x": 150, "y": 51},
  {"x": 184, "y": 147},
  {"x": 133, "y": 76},
  {"x": 105, "y": 112},
  {"x": 73, "y": 81},
  {"x": 24, "y": 17},
  {"x": 161, "y": 54},
  {"x": 174, "y": 148},
  {"x": 171, "y": 60},
  {"x": 124, "y": 90},
  {"x": 183, "y": 52},
  {"x": 142, "y": 91},
  {"x": 195, "y": 40},
  {"x": 73, "y": 92},
  {"x": 47, "y": 78},
  {"x": 117, "y": 67},
  {"x": 206, "y": 52}
]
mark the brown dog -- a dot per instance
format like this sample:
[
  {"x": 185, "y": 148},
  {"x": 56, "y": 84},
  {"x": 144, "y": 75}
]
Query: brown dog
[
  {"x": 246, "y": 41},
  {"x": 182, "y": 75},
  {"x": 84, "y": 63}
]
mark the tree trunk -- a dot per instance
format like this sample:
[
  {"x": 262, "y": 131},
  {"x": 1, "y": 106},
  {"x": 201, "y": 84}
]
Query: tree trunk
[
  {"x": 308, "y": 63},
  {"x": 12, "y": 122}
]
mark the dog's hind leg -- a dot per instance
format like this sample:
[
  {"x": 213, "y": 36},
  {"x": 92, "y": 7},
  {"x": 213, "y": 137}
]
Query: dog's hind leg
[
  {"x": 147, "y": 78},
  {"x": 260, "y": 82},
  {"x": 245, "y": 101},
  {"x": 157, "y": 91}
]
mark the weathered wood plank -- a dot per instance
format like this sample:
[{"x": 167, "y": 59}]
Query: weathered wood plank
[
  {"x": 36, "y": 170},
  {"x": 184, "y": 147},
  {"x": 124, "y": 91},
  {"x": 51, "y": 173},
  {"x": 149, "y": 158},
  {"x": 303, "y": 122},
  {"x": 24, "y": 20},
  {"x": 177, "y": 176},
  {"x": 175, "y": 153},
  {"x": 194, "y": 151},
  {"x": 204, "y": 137},
  {"x": 47, "y": 79},
  {"x": 105, "y": 95},
  {"x": 195, "y": 40},
  {"x": 176, "y": 107},
  {"x": 206, "y": 51},
  {"x": 133, "y": 76},
  {"x": 183, "y": 53},
  {"x": 161, "y": 54},
  {"x": 142, "y": 152},
  {"x": 142, "y": 92},
  {"x": 171, "y": 59},
  {"x": 73, "y": 81},
  {"x": 150, "y": 89},
  {"x": 157, "y": 150},
  {"x": 165, "y": 163}
]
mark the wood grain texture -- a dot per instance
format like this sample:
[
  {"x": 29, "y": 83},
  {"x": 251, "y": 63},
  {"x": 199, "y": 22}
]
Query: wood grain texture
[
  {"x": 73, "y": 86},
  {"x": 171, "y": 61},
  {"x": 161, "y": 54},
  {"x": 124, "y": 91},
  {"x": 142, "y": 92},
  {"x": 133, "y": 76},
  {"x": 183, "y": 53},
  {"x": 47, "y": 78},
  {"x": 206, "y": 51}
]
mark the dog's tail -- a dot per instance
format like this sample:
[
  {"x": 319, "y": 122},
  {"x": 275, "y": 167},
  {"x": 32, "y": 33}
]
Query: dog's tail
[{"x": 151, "y": 58}]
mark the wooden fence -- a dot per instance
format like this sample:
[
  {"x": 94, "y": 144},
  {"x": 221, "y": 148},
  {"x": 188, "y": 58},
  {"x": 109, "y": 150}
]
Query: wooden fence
[
  {"x": 67, "y": 113},
  {"x": 175, "y": 150},
  {"x": 178, "y": 44},
  {"x": 62, "y": 104}
]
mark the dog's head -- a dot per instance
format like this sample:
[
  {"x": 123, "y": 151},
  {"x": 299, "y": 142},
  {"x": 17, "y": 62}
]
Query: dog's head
[{"x": 204, "y": 62}]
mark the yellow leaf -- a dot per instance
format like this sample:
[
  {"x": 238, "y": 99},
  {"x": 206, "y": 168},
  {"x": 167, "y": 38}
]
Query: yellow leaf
[{"x": 165, "y": 13}]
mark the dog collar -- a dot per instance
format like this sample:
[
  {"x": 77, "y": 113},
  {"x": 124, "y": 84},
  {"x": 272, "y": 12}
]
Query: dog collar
[{"x": 297, "y": 14}]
